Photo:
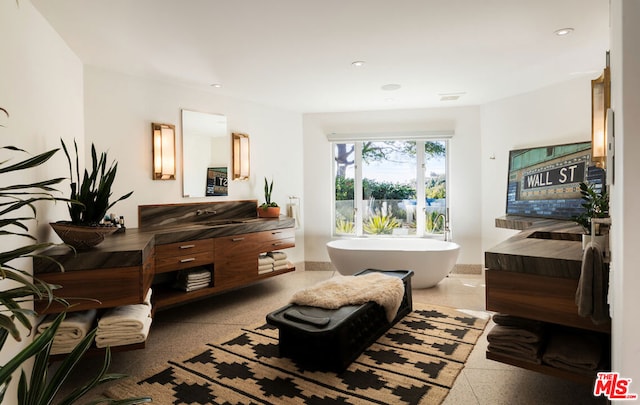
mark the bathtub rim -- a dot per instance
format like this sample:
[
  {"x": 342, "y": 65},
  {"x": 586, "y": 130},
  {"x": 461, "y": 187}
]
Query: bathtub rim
[{"x": 450, "y": 245}]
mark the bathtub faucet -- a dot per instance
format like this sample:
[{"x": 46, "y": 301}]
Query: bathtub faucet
[{"x": 445, "y": 225}]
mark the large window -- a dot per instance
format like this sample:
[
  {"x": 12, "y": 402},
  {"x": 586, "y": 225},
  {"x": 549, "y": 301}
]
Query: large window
[{"x": 395, "y": 187}]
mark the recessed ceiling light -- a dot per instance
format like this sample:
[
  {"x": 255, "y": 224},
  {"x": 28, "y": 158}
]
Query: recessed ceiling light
[
  {"x": 563, "y": 31},
  {"x": 216, "y": 85},
  {"x": 358, "y": 63},
  {"x": 390, "y": 87}
]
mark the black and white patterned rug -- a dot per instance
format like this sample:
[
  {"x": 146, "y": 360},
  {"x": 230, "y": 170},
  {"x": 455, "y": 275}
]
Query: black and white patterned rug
[{"x": 415, "y": 362}]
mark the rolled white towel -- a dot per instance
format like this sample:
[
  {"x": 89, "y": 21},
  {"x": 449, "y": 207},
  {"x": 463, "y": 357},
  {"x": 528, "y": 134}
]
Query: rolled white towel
[
  {"x": 269, "y": 270},
  {"x": 281, "y": 267},
  {"x": 121, "y": 339},
  {"x": 75, "y": 325},
  {"x": 125, "y": 315},
  {"x": 265, "y": 267}
]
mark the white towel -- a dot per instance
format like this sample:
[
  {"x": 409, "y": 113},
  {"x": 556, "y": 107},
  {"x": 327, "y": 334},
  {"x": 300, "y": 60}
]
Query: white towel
[
  {"x": 278, "y": 255},
  {"x": 134, "y": 315},
  {"x": 281, "y": 267},
  {"x": 265, "y": 267},
  {"x": 127, "y": 338},
  {"x": 280, "y": 262},
  {"x": 194, "y": 275},
  {"x": 264, "y": 260},
  {"x": 269, "y": 270},
  {"x": 293, "y": 211},
  {"x": 75, "y": 325},
  {"x": 147, "y": 298}
]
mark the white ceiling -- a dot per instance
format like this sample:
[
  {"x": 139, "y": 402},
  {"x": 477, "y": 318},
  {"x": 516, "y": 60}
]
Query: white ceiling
[{"x": 297, "y": 54}]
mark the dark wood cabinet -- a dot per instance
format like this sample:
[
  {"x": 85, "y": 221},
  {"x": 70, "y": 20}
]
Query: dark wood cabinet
[
  {"x": 232, "y": 260},
  {"x": 537, "y": 279},
  {"x": 122, "y": 269}
]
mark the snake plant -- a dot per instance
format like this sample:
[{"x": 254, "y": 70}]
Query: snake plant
[
  {"x": 90, "y": 198},
  {"x": 17, "y": 210}
]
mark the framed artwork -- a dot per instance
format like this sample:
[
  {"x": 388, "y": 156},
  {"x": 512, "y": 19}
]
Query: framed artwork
[
  {"x": 217, "y": 180},
  {"x": 544, "y": 181}
]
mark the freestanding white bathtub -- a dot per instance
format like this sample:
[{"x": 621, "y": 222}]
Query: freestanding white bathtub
[{"x": 431, "y": 260}]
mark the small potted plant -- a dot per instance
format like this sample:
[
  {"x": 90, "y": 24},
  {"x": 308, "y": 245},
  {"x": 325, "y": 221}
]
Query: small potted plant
[
  {"x": 268, "y": 209},
  {"x": 596, "y": 205},
  {"x": 89, "y": 201}
]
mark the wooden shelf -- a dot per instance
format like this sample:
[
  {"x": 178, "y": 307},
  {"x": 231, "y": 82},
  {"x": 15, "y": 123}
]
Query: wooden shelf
[
  {"x": 165, "y": 296},
  {"x": 543, "y": 368}
]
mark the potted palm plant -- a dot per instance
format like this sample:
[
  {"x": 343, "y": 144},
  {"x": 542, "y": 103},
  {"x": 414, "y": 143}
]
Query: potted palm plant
[
  {"x": 268, "y": 209},
  {"x": 89, "y": 201},
  {"x": 596, "y": 205},
  {"x": 36, "y": 386}
]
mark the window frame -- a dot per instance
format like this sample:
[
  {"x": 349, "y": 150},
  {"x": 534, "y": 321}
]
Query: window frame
[{"x": 421, "y": 204}]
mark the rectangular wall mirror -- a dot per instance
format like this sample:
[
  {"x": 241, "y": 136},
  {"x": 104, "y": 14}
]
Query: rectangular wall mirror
[{"x": 205, "y": 144}]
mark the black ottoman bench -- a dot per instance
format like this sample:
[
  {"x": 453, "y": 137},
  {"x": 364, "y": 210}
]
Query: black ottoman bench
[{"x": 330, "y": 339}]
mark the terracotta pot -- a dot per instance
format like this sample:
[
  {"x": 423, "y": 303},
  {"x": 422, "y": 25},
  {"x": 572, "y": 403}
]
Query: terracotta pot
[
  {"x": 269, "y": 212},
  {"x": 81, "y": 237}
]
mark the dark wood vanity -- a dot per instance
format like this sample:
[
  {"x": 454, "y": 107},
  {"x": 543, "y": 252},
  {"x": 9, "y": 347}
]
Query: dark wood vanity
[
  {"x": 225, "y": 237},
  {"x": 534, "y": 275}
]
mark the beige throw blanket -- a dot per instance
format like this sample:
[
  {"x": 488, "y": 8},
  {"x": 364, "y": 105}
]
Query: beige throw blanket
[{"x": 387, "y": 291}]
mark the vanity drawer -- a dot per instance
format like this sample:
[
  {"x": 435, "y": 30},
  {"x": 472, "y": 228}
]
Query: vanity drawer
[
  {"x": 254, "y": 243},
  {"x": 183, "y": 255}
]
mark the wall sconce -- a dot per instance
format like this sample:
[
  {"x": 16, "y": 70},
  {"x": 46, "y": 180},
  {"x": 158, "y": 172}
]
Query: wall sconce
[
  {"x": 164, "y": 151},
  {"x": 240, "y": 156},
  {"x": 600, "y": 102}
]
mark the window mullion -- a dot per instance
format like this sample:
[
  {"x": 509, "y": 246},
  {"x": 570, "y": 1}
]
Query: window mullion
[
  {"x": 420, "y": 190},
  {"x": 357, "y": 192}
]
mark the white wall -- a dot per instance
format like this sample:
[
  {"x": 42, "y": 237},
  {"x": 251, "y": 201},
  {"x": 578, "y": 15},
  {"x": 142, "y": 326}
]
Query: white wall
[
  {"x": 41, "y": 87},
  {"x": 625, "y": 197},
  {"x": 119, "y": 110},
  {"x": 552, "y": 115},
  {"x": 465, "y": 184}
]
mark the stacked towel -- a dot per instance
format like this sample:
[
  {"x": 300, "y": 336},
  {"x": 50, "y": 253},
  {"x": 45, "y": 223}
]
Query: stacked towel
[
  {"x": 71, "y": 331},
  {"x": 591, "y": 294},
  {"x": 125, "y": 325},
  {"x": 580, "y": 353},
  {"x": 279, "y": 260},
  {"x": 194, "y": 279},
  {"x": 265, "y": 264},
  {"x": 516, "y": 337}
]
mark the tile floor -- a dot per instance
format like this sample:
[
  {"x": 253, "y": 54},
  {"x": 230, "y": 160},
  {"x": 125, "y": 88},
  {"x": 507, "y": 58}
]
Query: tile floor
[{"x": 180, "y": 330}]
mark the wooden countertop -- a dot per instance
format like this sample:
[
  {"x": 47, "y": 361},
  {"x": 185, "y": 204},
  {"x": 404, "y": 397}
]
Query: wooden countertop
[
  {"x": 545, "y": 247},
  {"x": 135, "y": 245}
]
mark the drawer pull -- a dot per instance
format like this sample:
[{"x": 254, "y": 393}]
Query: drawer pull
[
  {"x": 237, "y": 239},
  {"x": 187, "y": 260},
  {"x": 187, "y": 246},
  {"x": 275, "y": 233}
]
